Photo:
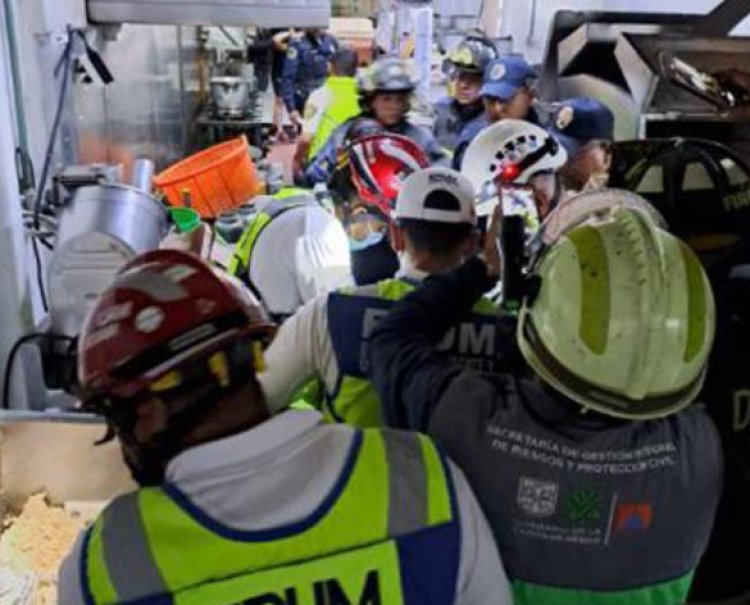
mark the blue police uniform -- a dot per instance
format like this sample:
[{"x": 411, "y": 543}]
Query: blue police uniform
[
  {"x": 473, "y": 128},
  {"x": 322, "y": 168},
  {"x": 580, "y": 121},
  {"x": 451, "y": 118},
  {"x": 305, "y": 68},
  {"x": 503, "y": 78}
]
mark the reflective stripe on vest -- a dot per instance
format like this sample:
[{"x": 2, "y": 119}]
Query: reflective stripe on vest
[
  {"x": 352, "y": 315},
  {"x": 386, "y": 533},
  {"x": 343, "y": 106},
  {"x": 283, "y": 201}
]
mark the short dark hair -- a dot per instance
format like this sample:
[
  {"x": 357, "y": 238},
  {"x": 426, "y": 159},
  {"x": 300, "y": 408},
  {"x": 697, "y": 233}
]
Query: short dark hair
[
  {"x": 344, "y": 62},
  {"x": 434, "y": 238}
]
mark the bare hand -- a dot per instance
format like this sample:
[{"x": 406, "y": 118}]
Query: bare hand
[
  {"x": 491, "y": 249},
  {"x": 296, "y": 118}
]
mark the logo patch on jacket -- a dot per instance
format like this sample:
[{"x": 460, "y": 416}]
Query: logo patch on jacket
[
  {"x": 537, "y": 498},
  {"x": 633, "y": 517}
]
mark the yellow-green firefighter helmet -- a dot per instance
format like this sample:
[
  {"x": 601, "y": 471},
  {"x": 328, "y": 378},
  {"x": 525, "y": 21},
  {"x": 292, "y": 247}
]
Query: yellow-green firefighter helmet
[{"x": 624, "y": 318}]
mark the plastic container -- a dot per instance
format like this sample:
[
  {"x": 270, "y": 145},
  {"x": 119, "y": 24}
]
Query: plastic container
[
  {"x": 186, "y": 219},
  {"x": 247, "y": 213},
  {"x": 219, "y": 178},
  {"x": 229, "y": 227}
]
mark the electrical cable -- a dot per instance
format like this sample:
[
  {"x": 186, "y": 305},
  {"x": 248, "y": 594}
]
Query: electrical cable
[
  {"x": 62, "y": 67},
  {"x": 12, "y": 355},
  {"x": 39, "y": 273},
  {"x": 64, "y": 64}
]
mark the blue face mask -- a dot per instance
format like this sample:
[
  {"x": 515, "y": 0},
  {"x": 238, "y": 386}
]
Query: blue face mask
[{"x": 372, "y": 239}]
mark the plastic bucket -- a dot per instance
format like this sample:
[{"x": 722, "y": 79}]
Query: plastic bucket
[
  {"x": 219, "y": 178},
  {"x": 186, "y": 219}
]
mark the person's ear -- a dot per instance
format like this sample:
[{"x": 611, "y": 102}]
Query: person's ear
[{"x": 397, "y": 237}]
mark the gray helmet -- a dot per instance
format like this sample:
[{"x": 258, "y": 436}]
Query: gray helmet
[
  {"x": 471, "y": 55},
  {"x": 389, "y": 74}
]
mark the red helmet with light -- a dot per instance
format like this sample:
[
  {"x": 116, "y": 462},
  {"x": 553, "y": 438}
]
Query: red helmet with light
[{"x": 379, "y": 163}]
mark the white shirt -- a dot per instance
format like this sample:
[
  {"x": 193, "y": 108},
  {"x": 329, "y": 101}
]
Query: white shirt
[
  {"x": 302, "y": 350},
  {"x": 301, "y": 254},
  {"x": 278, "y": 473},
  {"x": 315, "y": 108}
]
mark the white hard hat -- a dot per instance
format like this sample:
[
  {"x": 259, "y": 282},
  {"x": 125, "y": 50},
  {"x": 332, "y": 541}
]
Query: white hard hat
[
  {"x": 439, "y": 195},
  {"x": 512, "y": 151}
]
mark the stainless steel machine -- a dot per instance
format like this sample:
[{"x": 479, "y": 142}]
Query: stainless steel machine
[
  {"x": 617, "y": 58},
  {"x": 99, "y": 226},
  {"x": 100, "y": 229}
]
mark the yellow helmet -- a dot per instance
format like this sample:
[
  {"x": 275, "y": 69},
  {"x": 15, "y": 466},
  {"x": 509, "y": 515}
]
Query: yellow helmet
[{"x": 623, "y": 320}]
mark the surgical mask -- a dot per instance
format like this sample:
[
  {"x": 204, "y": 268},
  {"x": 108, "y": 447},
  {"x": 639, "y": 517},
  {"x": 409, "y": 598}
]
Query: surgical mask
[{"x": 371, "y": 239}]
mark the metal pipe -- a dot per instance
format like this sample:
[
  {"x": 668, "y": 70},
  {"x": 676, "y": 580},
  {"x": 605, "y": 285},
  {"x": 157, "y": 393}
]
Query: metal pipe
[
  {"x": 10, "y": 32},
  {"x": 143, "y": 173},
  {"x": 15, "y": 308},
  {"x": 183, "y": 92}
]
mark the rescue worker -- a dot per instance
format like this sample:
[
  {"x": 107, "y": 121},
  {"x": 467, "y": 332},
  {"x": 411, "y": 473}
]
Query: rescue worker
[
  {"x": 466, "y": 64},
  {"x": 376, "y": 166},
  {"x": 293, "y": 250},
  {"x": 507, "y": 93},
  {"x": 434, "y": 229},
  {"x": 585, "y": 127},
  {"x": 599, "y": 480},
  {"x": 259, "y": 54},
  {"x": 520, "y": 161},
  {"x": 235, "y": 506},
  {"x": 329, "y": 106},
  {"x": 702, "y": 189},
  {"x": 280, "y": 41},
  {"x": 385, "y": 90},
  {"x": 305, "y": 69}
]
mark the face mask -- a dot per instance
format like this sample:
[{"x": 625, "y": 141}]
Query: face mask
[{"x": 371, "y": 239}]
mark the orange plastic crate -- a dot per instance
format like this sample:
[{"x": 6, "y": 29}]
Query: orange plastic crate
[{"x": 219, "y": 178}]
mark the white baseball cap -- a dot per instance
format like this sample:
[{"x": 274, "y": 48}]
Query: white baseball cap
[{"x": 438, "y": 195}]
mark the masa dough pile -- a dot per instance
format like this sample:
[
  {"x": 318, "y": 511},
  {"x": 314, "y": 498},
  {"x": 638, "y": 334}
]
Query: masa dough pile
[{"x": 32, "y": 547}]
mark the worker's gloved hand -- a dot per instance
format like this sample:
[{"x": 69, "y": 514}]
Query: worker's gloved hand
[{"x": 738, "y": 79}]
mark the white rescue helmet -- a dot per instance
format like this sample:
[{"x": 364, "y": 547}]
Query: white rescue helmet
[{"x": 509, "y": 152}]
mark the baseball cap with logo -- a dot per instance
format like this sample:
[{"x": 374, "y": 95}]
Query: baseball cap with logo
[
  {"x": 439, "y": 195},
  {"x": 504, "y": 77},
  {"x": 580, "y": 121}
]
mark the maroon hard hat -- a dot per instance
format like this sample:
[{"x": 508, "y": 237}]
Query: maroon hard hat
[{"x": 164, "y": 309}]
